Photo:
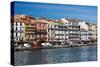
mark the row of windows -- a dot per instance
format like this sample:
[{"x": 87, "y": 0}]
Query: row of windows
[
  {"x": 18, "y": 24},
  {"x": 74, "y": 38},
  {"x": 41, "y": 36},
  {"x": 84, "y": 38},
  {"x": 68, "y": 24},
  {"x": 60, "y": 32},
  {"x": 56, "y": 26},
  {"x": 74, "y": 32},
  {"x": 29, "y": 36},
  {"x": 60, "y": 37},
  {"x": 18, "y": 34},
  {"x": 18, "y": 28}
]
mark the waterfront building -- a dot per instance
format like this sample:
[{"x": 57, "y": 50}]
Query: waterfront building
[
  {"x": 84, "y": 32},
  {"x": 51, "y": 31},
  {"x": 34, "y": 31},
  {"x": 41, "y": 30},
  {"x": 17, "y": 29},
  {"x": 57, "y": 32},
  {"x": 61, "y": 33},
  {"x": 92, "y": 32},
  {"x": 73, "y": 29},
  {"x": 29, "y": 31}
]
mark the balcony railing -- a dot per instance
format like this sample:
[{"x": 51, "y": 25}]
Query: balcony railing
[
  {"x": 18, "y": 31},
  {"x": 74, "y": 36},
  {"x": 29, "y": 32}
]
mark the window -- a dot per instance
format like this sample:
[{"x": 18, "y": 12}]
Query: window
[
  {"x": 21, "y": 24},
  {"x": 14, "y": 34},
  {"x": 38, "y": 36},
  {"x": 22, "y": 29},
  {"x": 14, "y": 28},
  {"x": 49, "y": 25},
  {"x": 16, "y": 23},
  {"x": 43, "y": 25},
  {"x": 31, "y": 36},
  {"x": 18, "y": 34},
  {"x": 45, "y": 36},
  {"x": 18, "y": 28},
  {"x": 42, "y": 36}
]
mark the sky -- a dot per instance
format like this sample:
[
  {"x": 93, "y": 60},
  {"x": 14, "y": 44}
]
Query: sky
[{"x": 56, "y": 11}]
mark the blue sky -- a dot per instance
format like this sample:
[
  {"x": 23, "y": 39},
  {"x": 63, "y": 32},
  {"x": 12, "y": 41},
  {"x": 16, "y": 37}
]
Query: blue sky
[{"x": 56, "y": 11}]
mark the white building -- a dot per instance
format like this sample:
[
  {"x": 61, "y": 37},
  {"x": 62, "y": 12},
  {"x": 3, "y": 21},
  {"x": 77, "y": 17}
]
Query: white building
[
  {"x": 84, "y": 31},
  {"x": 61, "y": 33},
  {"x": 51, "y": 31},
  {"x": 83, "y": 25},
  {"x": 18, "y": 30}
]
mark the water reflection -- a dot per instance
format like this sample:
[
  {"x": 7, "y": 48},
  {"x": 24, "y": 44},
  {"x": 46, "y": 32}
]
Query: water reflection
[{"x": 60, "y": 55}]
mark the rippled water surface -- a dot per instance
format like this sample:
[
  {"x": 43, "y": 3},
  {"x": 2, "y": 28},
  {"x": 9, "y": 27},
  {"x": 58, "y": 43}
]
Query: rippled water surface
[{"x": 58, "y": 55}]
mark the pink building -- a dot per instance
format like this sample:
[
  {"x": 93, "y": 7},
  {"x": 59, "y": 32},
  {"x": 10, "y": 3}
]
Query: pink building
[{"x": 41, "y": 30}]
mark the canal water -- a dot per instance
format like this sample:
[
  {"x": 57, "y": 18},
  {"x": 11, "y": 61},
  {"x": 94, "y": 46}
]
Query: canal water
[{"x": 58, "y": 55}]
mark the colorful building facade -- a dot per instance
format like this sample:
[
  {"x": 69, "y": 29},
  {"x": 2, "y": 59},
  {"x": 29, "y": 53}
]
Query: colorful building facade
[{"x": 35, "y": 31}]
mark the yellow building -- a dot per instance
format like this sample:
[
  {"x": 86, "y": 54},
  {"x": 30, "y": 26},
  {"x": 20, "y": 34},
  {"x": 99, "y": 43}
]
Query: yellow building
[{"x": 29, "y": 30}]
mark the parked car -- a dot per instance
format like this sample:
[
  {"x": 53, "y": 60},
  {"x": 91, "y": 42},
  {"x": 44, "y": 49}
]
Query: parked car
[
  {"x": 46, "y": 44},
  {"x": 27, "y": 45}
]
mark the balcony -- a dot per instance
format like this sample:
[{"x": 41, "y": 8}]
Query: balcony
[
  {"x": 74, "y": 32},
  {"x": 62, "y": 33},
  {"x": 21, "y": 31},
  {"x": 75, "y": 39},
  {"x": 76, "y": 29},
  {"x": 41, "y": 32},
  {"x": 32, "y": 39},
  {"x": 72, "y": 24},
  {"x": 29, "y": 32}
]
